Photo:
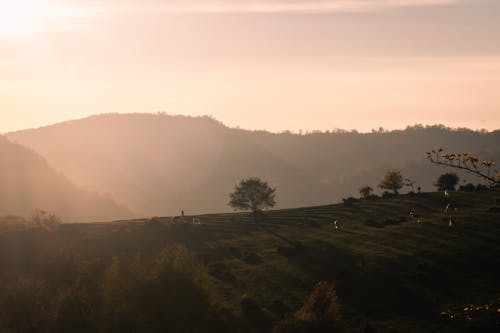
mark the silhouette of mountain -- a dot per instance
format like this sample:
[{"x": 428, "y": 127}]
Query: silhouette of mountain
[
  {"x": 160, "y": 164},
  {"x": 28, "y": 183}
]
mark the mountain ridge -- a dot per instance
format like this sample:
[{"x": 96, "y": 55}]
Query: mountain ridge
[{"x": 159, "y": 164}]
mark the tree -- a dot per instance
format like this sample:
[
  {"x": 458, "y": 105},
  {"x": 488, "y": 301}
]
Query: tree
[
  {"x": 252, "y": 194},
  {"x": 393, "y": 181},
  {"x": 467, "y": 162},
  {"x": 365, "y": 191},
  {"x": 447, "y": 181},
  {"x": 410, "y": 183}
]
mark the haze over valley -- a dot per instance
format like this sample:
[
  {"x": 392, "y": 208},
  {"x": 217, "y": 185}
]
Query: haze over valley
[{"x": 158, "y": 165}]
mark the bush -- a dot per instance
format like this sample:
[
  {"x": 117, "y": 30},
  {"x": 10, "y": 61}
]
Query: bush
[
  {"x": 320, "y": 313},
  {"x": 168, "y": 295},
  {"x": 349, "y": 202},
  {"x": 45, "y": 220},
  {"x": 467, "y": 187},
  {"x": 365, "y": 192},
  {"x": 26, "y": 306},
  {"x": 321, "y": 305},
  {"x": 447, "y": 181},
  {"x": 74, "y": 312}
]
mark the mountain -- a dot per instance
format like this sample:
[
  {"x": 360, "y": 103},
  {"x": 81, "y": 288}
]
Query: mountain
[
  {"x": 161, "y": 164},
  {"x": 27, "y": 183}
]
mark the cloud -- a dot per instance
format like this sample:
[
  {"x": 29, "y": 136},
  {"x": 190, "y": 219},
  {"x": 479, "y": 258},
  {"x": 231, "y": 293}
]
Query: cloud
[{"x": 262, "y": 6}]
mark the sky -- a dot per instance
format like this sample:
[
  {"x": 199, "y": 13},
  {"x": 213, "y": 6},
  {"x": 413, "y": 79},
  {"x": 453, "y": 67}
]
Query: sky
[{"x": 256, "y": 64}]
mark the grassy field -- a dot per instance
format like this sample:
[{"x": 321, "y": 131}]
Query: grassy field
[{"x": 391, "y": 272}]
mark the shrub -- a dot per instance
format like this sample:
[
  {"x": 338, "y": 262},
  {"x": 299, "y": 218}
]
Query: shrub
[
  {"x": 365, "y": 192},
  {"x": 163, "y": 296},
  {"x": 469, "y": 187},
  {"x": 447, "y": 181},
  {"x": 348, "y": 202},
  {"x": 320, "y": 313},
  {"x": 25, "y": 305},
  {"x": 45, "y": 219},
  {"x": 321, "y": 305}
]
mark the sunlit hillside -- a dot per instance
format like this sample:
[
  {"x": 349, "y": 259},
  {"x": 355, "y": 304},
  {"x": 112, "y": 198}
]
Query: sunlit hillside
[
  {"x": 28, "y": 183},
  {"x": 161, "y": 164}
]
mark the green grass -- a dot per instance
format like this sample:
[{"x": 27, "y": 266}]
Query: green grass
[{"x": 400, "y": 277}]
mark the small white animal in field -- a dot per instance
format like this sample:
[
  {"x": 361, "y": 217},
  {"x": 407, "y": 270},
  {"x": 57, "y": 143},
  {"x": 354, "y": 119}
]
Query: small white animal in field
[
  {"x": 446, "y": 194},
  {"x": 196, "y": 221},
  {"x": 451, "y": 223},
  {"x": 336, "y": 224},
  {"x": 414, "y": 216}
]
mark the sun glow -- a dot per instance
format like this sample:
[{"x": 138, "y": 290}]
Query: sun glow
[
  {"x": 25, "y": 17},
  {"x": 20, "y": 17}
]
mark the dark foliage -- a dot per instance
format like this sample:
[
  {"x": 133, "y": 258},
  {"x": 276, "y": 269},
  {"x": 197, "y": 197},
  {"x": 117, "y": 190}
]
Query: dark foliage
[
  {"x": 366, "y": 192},
  {"x": 320, "y": 313},
  {"x": 252, "y": 194},
  {"x": 168, "y": 293},
  {"x": 392, "y": 181},
  {"x": 256, "y": 316},
  {"x": 349, "y": 202},
  {"x": 469, "y": 187},
  {"x": 447, "y": 181}
]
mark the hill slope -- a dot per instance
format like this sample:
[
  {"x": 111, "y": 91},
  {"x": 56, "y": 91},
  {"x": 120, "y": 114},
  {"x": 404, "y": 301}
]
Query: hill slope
[
  {"x": 397, "y": 274},
  {"x": 159, "y": 164},
  {"x": 27, "y": 183}
]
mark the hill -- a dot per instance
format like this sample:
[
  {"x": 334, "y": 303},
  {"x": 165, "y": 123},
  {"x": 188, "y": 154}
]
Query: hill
[
  {"x": 391, "y": 272},
  {"x": 28, "y": 183},
  {"x": 160, "y": 164}
]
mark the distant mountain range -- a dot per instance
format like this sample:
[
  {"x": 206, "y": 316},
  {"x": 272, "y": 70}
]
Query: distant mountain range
[
  {"x": 28, "y": 183},
  {"x": 161, "y": 164}
]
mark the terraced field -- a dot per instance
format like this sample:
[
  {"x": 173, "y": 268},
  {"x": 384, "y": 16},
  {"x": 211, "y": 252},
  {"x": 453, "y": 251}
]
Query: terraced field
[{"x": 393, "y": 272}]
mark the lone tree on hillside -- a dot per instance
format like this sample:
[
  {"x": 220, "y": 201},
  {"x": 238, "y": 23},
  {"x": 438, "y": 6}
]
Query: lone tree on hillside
[
  {"x": 447, "y": 181},
  {"x": 392, "y": 181},
  {"x": 365, "y": 191},
  {"x": 252, "y": 194}
]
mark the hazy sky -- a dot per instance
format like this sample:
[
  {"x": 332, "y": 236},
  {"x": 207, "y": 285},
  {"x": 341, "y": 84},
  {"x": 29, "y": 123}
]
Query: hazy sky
[{"x": 279, "y": 64}]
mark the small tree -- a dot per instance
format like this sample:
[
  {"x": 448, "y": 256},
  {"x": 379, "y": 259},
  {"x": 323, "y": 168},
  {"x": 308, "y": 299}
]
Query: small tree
[
  {"x": 392, "y": 181},
  {"x": 411, "y": 184},
  {"x": 252, "y": 194},
  {"x": 365, "y": 191},
  {"x": 45, "y": 219},
  {"x": 447, "y": 181}
]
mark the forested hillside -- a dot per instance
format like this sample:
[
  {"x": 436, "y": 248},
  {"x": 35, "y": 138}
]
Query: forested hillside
[{"x": 160, "y": 164}]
